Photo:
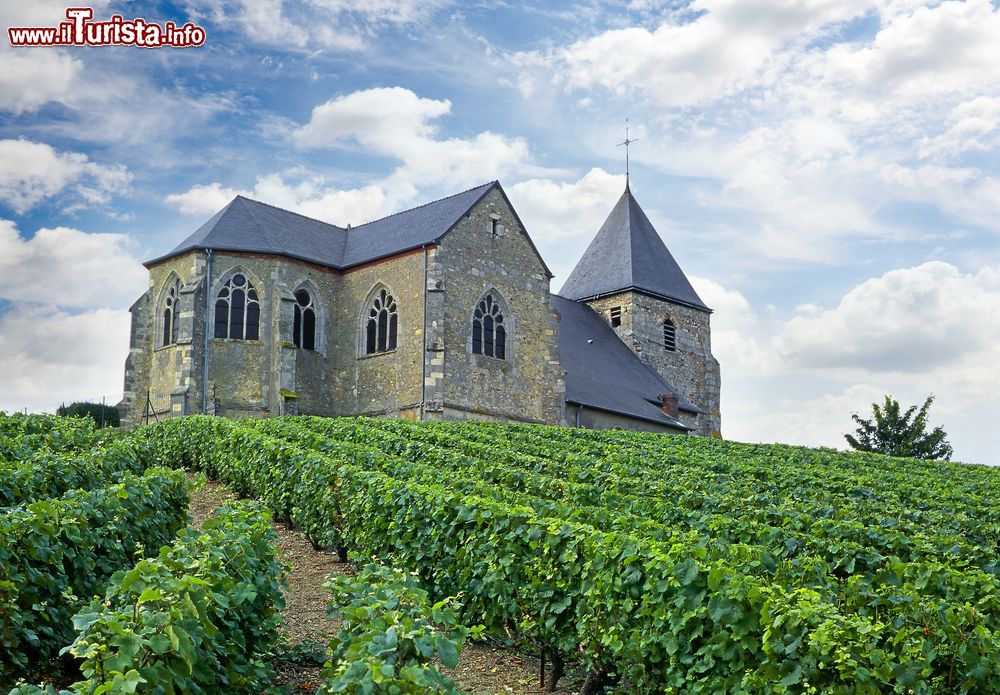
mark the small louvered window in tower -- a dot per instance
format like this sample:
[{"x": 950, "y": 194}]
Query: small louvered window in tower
[
  {"x": 669, "y": 335},
  {"x": 616, "y": 316}
]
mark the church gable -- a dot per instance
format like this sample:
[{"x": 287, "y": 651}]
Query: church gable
[
  {"x": 498, "y": 337},
  {"x": 491, "y": 239}
]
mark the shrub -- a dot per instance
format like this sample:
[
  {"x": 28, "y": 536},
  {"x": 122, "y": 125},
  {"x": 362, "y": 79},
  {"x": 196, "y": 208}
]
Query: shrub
[
  {"x": 199, "y": 618},
  {"x": 54, "y": 551},
  {"x": 102, "y": 415}
]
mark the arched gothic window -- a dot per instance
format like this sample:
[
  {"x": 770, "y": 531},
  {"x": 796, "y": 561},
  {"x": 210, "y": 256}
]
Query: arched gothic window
[
  {"x": 669, "y": 335},
  {"x": 380, "y": 330},
  {"x": 237, "y": 310},
  {"x": 489, "y": 335},
  {"x": 304, "y": 327},
  {"x": 169, "y": 327}
]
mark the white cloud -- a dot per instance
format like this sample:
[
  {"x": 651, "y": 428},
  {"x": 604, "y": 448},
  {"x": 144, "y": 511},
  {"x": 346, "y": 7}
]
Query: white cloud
[
  {"x": 561, "y": 210},
  {"x": 273, "y": 23},
  {"x": 820, "y": 420},
  {"x": 264, "y": 21},
  {"x": 313, "y": 197},
  {"x": 810, "y": 128},
  {"x": 732, "y": 45},
  {"x": 68, "y": 268},
  {"x": 908, "y": 320},
  {"x": 972, "y": 126},
  {"x": 396, "y": 123},
  {"x": 297, "y": 191},
  {"x": 49, "y": 356},
  {"x": 911, "y": 332},
  {"x": 778, "y": 411},
  {"x": 389, "y": 120},
  {"x": 204, "y": 199},
  {"x": 41, "y": 13},
  {"x": 739, "y": 339},
  {"x": 944, "y": 48},
  {"x": 340, "y": 25},
  {"x": 799, "y": 178},
  {"x": 110, "y": 96},
  {"x": 383, "y": 11},
  {"x": 30, "y": 172},
  {"x": 129, "y": 110},
  {"x": 129, "y": 113},
  {"x": 562, "y": 217},
  {"x": 31, "y": 78},
  {"x": 730, "y": 304}
]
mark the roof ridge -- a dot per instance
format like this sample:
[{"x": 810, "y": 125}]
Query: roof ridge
[
  {"x": 628, "y": 220},
  {"x": 245, "y": 224},
  {"x": 290, "y": 212},
  {"x": 629, "y": 199},
  {"x": 443, "y": 198},
  {"x": 216, "y": 217}
]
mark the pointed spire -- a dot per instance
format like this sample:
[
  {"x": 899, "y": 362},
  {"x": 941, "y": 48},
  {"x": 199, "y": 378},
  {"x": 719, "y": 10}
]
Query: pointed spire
[{"x": 628, "y": 254}]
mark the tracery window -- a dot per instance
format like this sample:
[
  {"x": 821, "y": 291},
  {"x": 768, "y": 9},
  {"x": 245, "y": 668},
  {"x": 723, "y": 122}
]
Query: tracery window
[
  {"x": 489, "y": 335},
  {"x": 381, "y": 327},
  {"x": 169, "y": 327},
  {"x": 304, "y": 326},
  {"x": 669, "y": 335},
  {"x": 237, "y": 310}
]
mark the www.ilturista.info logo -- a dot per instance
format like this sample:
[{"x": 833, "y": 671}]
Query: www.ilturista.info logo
[{"x": 117, "y": 31}]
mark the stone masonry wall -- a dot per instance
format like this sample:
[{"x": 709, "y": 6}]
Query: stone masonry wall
[
  {"x": 526, "y": 386},
  {"x": 387, "y": 383},
  {"x": 691, "y": 369},
  {"x": 239, "y": 371},
  {"x": 270, "y": 376},
  {"x": 159, "y": 378},
  {"x": 133, "y": 401}
]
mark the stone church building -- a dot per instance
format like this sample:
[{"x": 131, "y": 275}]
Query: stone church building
[{"x": 443, "y": 311}]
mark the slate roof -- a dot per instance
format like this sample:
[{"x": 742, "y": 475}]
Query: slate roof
[
  {"x": 628, "y": 254},
  {"x": 251, "y": 226},
  {"x": 603, "y": 373}
]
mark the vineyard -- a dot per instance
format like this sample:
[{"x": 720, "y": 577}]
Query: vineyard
[{"x": 651, "y": 563}]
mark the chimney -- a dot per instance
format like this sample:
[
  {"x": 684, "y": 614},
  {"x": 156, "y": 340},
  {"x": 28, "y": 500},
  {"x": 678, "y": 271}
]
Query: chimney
[{"x": 669, "y": 404}]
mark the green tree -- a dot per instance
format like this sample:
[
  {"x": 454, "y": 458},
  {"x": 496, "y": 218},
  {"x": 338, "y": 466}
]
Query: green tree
[
  {"x": 900, "y": 433},
  {"x": 103, "y": 415}
]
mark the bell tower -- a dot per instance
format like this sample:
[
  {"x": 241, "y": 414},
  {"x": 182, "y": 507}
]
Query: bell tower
[{"x": 628, "y": 276}]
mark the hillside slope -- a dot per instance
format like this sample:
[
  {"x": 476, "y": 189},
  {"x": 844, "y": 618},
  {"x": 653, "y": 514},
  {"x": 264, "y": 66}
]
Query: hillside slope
[{"x": 666, "y": 562}]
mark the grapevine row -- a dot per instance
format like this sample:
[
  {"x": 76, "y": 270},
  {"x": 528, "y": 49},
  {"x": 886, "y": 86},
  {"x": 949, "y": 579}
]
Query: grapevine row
[{"x": 685, "y": 613}]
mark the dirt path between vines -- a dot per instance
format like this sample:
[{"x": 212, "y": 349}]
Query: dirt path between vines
[{"x": 484, "y": 667}]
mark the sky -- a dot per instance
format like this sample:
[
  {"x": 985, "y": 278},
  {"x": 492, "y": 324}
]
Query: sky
[{"x": 825, "y": 172}]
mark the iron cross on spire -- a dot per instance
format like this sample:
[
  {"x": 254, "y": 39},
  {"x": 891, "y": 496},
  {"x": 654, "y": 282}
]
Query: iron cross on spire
[{"x": 628, "y": 141}]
